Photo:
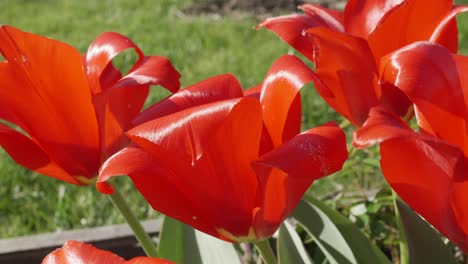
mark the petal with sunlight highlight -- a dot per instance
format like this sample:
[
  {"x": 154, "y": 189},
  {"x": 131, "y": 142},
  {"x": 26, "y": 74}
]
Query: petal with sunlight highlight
[
  {"x": 119, "y": 99},
  {"x": 287, "y": 172},
  {"x": 432, "y": 181},
  {"x": 189, "y": 149},
  {"x": 291, "y": 28},
  {"x": 152, "y": 70},
  {"x": 151, "y": 177},
  {"x": 446, "y": 33},
  {"x": 313, "y": 154},
  {"x": 380, "y": 126},
  {"x": 100, "y": 54},
  {"x": 217, "y": 88},
  {"x": 280, "y": 97},
  {"x": 63, "y": 113},
  {"x": 74, "y": 252},
  {"x": 345, "y": 65},
  {"x": 429, "y": 75},
  {"x": 410, "y": 21},
  {"x": 331, "y": 18},
  {"x": 361, "y": 17}
]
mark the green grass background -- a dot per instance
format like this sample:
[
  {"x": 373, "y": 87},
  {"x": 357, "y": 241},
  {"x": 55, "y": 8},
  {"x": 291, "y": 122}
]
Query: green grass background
[{"x": 199, "y": 47}]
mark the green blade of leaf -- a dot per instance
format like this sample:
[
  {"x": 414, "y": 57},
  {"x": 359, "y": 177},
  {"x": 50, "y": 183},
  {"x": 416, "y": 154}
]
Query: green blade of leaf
[
  {"x": 338, "y": 238},
  {"x": 290, "y": 247},
  {"x": 183, "y": 244},
  {"x": 424, "y": 243}
]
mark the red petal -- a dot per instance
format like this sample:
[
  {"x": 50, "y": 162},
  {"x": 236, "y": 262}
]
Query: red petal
[
  {"x": 118, "y": 106},
  {"x": 152, "y": 70},
  {"x": 395, "y": 99},
  {"x": 287, "y": 172},
  {"x": 332, "y": 19},
  {"x": 117, "y": 100},
  {"x": 210, "y": 144},
  {"x": 213, "y": 89},
  {"x": 101, "y": 52},
  {"x": 48, "y": 99},
  {"x": 164, "y": 189},
  {"x": 381, "y": 125},
  {"x": 290, "y": 28},
  {"x": 27, "y": 153},
  {"x": 147, "y": 260},
  {"x": 458, "y": 202},
  {"x": 439, "y": 98},
  {"x": 280, "y": 98},
  {"x": 446, "y": 33},
  {"x": 74, "y": 252},
  {"x": 254, "y": 91},
  {"x": 346, "y": 66},
  {"x": 425, "y": 180},
  {"x": 411, "y": 21},
  {"x": 361, "y": 17}
]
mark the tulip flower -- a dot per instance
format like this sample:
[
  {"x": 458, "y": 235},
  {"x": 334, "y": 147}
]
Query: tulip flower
[
  {"x": 65, "y": 113},
  {"x": 75, "y": 252},
  {"x": 346, "y": 47},
  {"x": 428, "y": 169},
  {"x": 228, "y": 164}
]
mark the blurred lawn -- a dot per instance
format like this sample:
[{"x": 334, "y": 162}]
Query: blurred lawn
[{"x": 199, "y": 47}]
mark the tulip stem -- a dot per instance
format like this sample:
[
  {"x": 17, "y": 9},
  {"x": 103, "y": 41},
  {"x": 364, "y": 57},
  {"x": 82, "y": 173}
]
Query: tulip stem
[
  {"x": 404, "y": 254},
  {"x": 266, "y": 252},
  {"x": 140, "y": 234}
]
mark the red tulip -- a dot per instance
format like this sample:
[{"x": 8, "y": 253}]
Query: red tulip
[
  {"x": 346, "y": 47},
  {"x": 428, "y": 169},
  {"x": 69, "y": 111},
  {"x": 74, "y": 252},
  {"x": 230, "y": 165}
]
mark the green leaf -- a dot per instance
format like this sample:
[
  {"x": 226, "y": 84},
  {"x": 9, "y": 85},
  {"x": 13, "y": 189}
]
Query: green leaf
[
  {"x": 338, "y": 238},
  {"x": 290, "y": 247},
  {"x": 424, "y": 243},
  {"x": 183, "y": 244}
]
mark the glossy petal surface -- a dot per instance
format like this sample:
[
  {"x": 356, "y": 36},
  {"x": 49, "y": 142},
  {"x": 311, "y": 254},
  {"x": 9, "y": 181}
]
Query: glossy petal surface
[
  {"x": 439, "y": 99},
  {"x": 380, "y": 126},
  {"x": 74, "y": 252},
  {"x": 71, "y": 116},
  {"x": 346, "y": 67},
  {"x": 332, "y": 19},
  {"x": 425, "y": 181},
  {"x": 432, "y": 181},
  {"x": 152, "y": 70},
  {"x": 362, "y": 16},
  {"x": 411, "y": 21},
  {"x": 63, "y": 112},
  {"x": 281, "y": 100},
  {"x": 286, "y": 172},
  {"x": 220, "y": 87},
  {"x": 119, "y": 99},
  {"x": 99, "y": 58},
  {"x": 196, "y": 158},
  {"x": 446, "y": 33},
  {"x": 378, "y": 28},
  {"x": 291, "y": 28},
  {"x": 193, "y": 148}
]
